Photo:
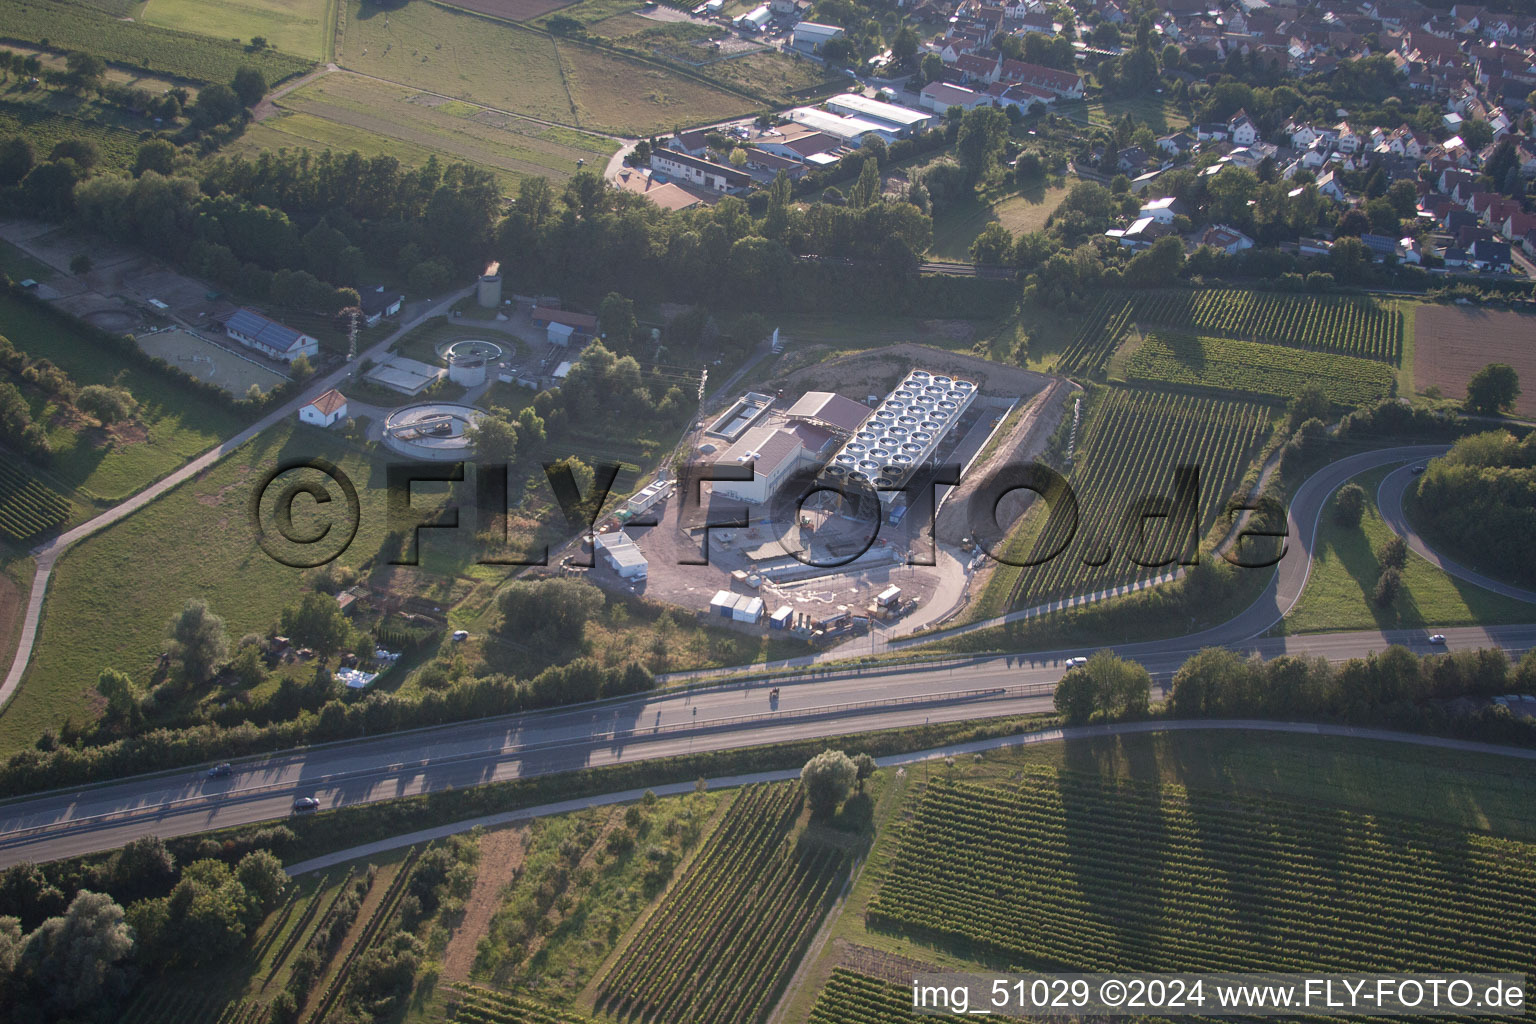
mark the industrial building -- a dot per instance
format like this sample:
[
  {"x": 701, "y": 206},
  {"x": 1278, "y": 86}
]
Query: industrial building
[
  {"x": 407, "y": 376},
  {"x": 849, "y": 130},
  {"x": 903, "y": 432},
  {"x": 772, "y": 452},
  {"x": 903, "y": 120},
  {"x": 744, "y": 412},
  {"x": 562, "y": 327},
  {"x": 621, "y": 554},
  {"x": 809, "y": 36}
]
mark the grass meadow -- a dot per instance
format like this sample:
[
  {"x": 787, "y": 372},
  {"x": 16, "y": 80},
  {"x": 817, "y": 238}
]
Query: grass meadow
[
  {"x": 177, "y": 424},
  {"x": 956, "y": 226},
  {"x": 1339, "y": 589},
  {"x": 343, "y": 112},
  {"x": 299, "y": 27}
]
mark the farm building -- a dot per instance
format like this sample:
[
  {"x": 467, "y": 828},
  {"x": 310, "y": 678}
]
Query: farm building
[
  {"x": 663, "y": 193},
  {"x": 705, "y": 173},
  {"x": 269, "y": 337},
  {"x": 325, "y": 410},
  {"x": 621, "y": 554},
  {"x": 809, "y": 35},
  {"x": 561, "y": 326},
  {"x": 903, "y": 120},
  {"x": 795, "y": 142},
  {"x": 755, "y": 19},
  {"x": 378, "y": 303},
  {"x": 772, "y": 454}
]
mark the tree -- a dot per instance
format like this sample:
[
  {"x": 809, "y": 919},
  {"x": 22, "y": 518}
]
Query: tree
[
  {"x": 549, "y": 615},
  {"x": 86, "y": 70},
  {"x": 1076, "y": 697},
  {"x": 1493, "y": 389},
  {"x": 828, "y": 779},
  {"x": 1159, "y": 266},
  {"x": 216, "y": 103},
  {"x": 616, "y": 320},
  {"x": 1393, "y": 553},
  {"x": 250, "y": 85},
  {"x": 317, "y": 621},
  {"x": 993, "y": 247},
  {"x": 1349, "y": 505},
  {"x": 1388, "y": 585},
  {"x": 864, "y": 767},
  {"x": 72, "y": 965},
  {"x": 493, "y": 438},
  {"x": 156, "y": 155},
  {"x": 931, "y": 69},
  {"x": 80, "y": 263},
  {"x": 16, "y": 159},
  {"x": 263, "y": 877},
  {"x": 1310, "y": 403},
  {"x": 1477, "y": 134},
  {"x": 983, "y": 131},
  {"x": 117, "y": 688},
  {"x": 867, "y": 189},
  {"x": 301, "y": 368},
  {"x": 85, "y": 153},
  {"x": 197, "y": 641}
]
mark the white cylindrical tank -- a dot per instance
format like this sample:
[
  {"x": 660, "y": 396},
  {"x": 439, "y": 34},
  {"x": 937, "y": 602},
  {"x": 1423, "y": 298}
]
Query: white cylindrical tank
[{"x": 467, "y": 370}]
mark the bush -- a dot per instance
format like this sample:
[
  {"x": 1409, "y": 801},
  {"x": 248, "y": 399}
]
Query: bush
[{"x": 1349, "y": 505}]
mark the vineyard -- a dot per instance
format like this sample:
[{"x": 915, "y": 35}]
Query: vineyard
[
  {"x": 1074, "y": 871},
  {"x": 1173, "y": 358},
  {"x": 27, "y": 507},
  {"x": 73, "y": 26},
  {"x": 1346, "y": 325},
  {"x": 1134, "y": 442},
  {"x": 722, "y": 943},
  {"x": 852, "y": 998},
  {"x": 45, "y": 129},
  {"x": 482, "y": 1006}
]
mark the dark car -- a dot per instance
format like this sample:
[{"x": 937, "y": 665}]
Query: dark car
[
  {"x": 305, "y": 803},
  {"x": 1419, "y": 469},
  {"x": 220, "y": 771}
]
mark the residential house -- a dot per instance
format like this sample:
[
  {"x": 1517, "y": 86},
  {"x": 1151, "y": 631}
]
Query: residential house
[
  {"x": 1516, "y": 226},
  {"x": 1241, "y": 129},
  {"x": 325, "y": 410},
  {"x": 1067, "y": 85},
  {"x": 1226, "y": 239},
  {"x": 1162, "y": 210},
  {"x": 378, "y": 303},
  {"x": 1177, "y": 143},
  {"x": 1379, "y": 246},
  {"x": 662, "y": 193},
  {"x": 1489, "y": 256},
  {"x": 691, "y": 143},
  {"x": 975, "y": 69},
  {"x": 705, "y": 173},
  {"x": 1329, "y": 185}
]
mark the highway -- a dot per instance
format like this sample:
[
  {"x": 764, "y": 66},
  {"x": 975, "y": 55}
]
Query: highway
[{"x": 818, "y": 702}]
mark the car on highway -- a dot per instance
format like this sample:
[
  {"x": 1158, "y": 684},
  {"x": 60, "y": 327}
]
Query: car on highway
[
  {"x": 220, "y": 771},
  {"x": 1419, "y": 469},
  {"x": 1072, "y": 663},
  {"x": 305, "y": 803},
  {"x": 1438, "y": 639}
]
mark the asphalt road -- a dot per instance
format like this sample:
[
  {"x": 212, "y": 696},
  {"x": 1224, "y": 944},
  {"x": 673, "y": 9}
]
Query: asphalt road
[{"x": 67, "y": 823}]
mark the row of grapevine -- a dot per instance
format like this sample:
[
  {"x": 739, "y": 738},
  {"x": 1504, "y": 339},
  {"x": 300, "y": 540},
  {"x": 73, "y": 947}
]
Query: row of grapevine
[
  {"x": 482, "y": 1006},
  {"x": 175, "y": 1004},
  {"x": 1134, "y": 442},
  {"x": 1255, "y": 368},
  {"x": 1070, "y": 871},
  {"x": 724, "y": 941},
  {"x": 852, "y": 998},
  {"x": 1098, "y": 337},
  {"x": 376, "y": 925},
  {"x": 301, "y": 929},
  {"x": 27, "y": 507},
  {"x": 46, "y": 128},
  {"x": 1347, "y": 324}
]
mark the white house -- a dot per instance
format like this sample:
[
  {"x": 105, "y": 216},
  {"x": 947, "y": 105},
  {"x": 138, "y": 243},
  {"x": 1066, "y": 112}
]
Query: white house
[
  {"x": 325, "y": 410},
  {"x": 1229, "y": 240},
  {"x": 940, "y": 96},
  {"x": 1241, "y": 129},
  {"x": 269, "y": 337},
  {"x": 1161, "y": 210},
  {"x": 710, "y": 175}
]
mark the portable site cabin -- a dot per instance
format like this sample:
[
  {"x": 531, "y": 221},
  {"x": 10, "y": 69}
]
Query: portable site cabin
[
  {"x": 722, "y": 604},
  {"x": 782, "y": 618},
  {"x": 888, "y": 597}
]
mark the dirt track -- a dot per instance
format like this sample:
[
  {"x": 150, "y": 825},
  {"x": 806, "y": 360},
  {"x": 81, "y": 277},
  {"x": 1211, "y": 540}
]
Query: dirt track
[{"x": 501, "y": 858}]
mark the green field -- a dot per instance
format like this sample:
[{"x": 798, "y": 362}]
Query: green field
[
  {"x": 458, "y": 54},
  {"x": 299, "y": 27},
  {"x": 1169, "y": 357},
  {"x": 1343, "y": 578},
  {"x": 73, "y": 26},
  {"x": 195, "y": 541},
  {"x": 47, "y": 117},
  {"x": 177, "y": 424},
  {"x": 956, "y": 226},
  {"x": 343, "y": 112}
]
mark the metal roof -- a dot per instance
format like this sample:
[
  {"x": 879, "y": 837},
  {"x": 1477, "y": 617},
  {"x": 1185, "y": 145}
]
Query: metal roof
[{"x": 264, "y": 332}]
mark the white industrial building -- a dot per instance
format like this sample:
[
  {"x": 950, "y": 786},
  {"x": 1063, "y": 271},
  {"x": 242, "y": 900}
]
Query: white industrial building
[
  {"x": 773, "y": 453},
  {"x": 621, "y": 554},
  {"x": 903, "y": 432},
  {"x": 903, "y": 120},
  {"x": 851, "y": 130},
  {"x": 810, "y": 35}
]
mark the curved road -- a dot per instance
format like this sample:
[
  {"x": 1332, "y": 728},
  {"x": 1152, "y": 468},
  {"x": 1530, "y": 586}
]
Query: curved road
[{"x": 71, "y": 822}]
